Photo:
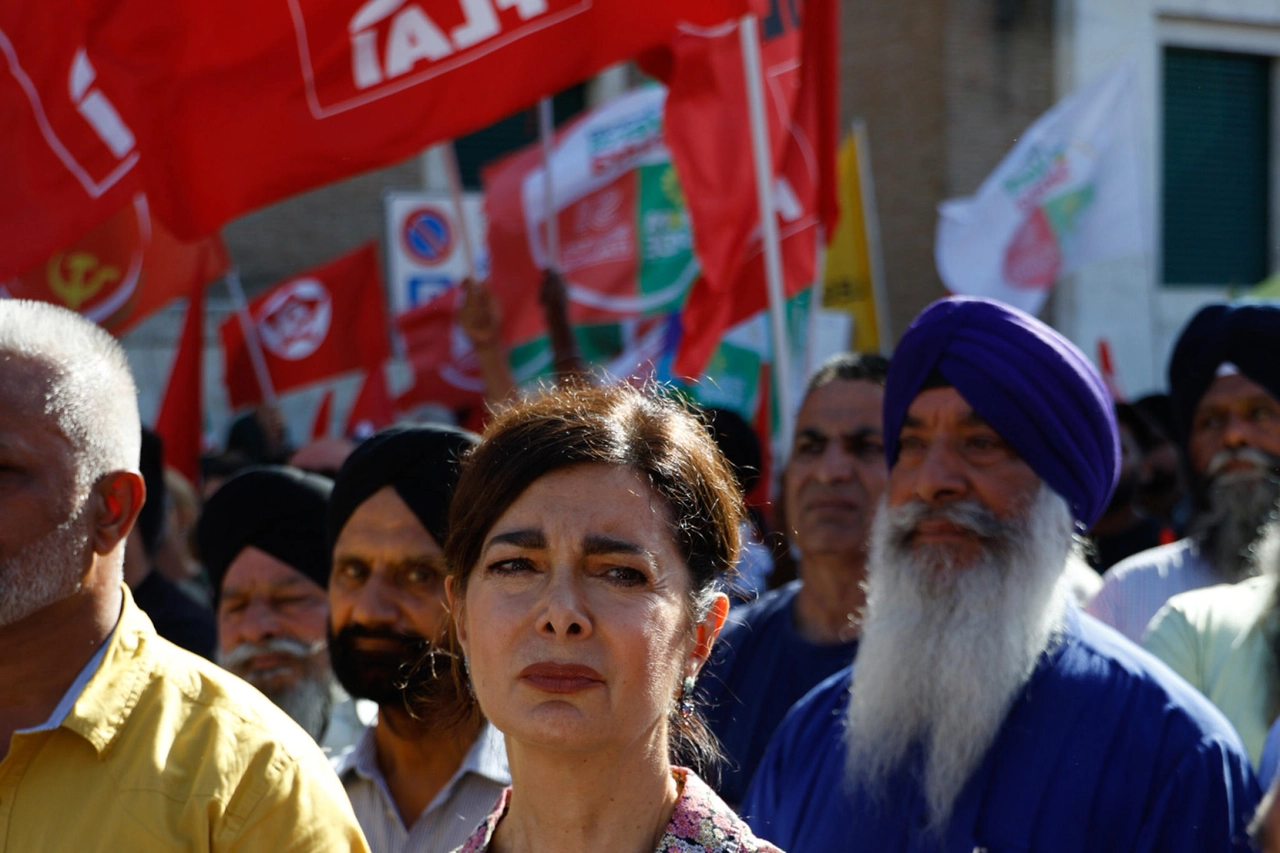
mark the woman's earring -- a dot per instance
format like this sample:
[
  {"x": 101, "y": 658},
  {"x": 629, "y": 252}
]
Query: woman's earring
[
  {"x": 466, "y": 675},
  {"x": 684, "y": 703}
]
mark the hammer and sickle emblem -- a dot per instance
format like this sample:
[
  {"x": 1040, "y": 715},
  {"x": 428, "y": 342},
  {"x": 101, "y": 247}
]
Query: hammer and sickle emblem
[{"x": 84, "y": 276}]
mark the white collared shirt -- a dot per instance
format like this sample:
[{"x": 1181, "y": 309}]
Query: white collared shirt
[{"x": 455, "y": 812}]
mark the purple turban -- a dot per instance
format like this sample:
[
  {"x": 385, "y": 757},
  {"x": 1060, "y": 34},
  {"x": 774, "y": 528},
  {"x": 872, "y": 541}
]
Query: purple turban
[
  {"x": 1032, "y": 385},
  {"x": 1247, "y": 336}
]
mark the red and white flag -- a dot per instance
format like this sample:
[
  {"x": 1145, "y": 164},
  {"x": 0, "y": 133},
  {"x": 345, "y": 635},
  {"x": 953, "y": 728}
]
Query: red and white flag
[
  {"x": 181, "y": 420},
  {"x": 372, "y": 409},
  {"x": 595, "y": 167},
  {"x": 121, "y": 271},
  {"x": 243, "y": 102},
  {"x": 707, "y": 104},
  {"x": 68, "y": 161},
  {"x": 445, "y": 368},
  {"x": 328, "y": 320}
]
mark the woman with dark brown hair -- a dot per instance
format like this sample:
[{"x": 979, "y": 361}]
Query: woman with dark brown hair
[{"x": 586, "y": 536}]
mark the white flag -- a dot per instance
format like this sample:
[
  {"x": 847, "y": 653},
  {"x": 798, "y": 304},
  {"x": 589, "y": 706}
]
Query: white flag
[{"x": 1068, "y": 194}]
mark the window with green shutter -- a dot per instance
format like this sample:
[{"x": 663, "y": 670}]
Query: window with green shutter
[{"x": 1217, "y": 169}]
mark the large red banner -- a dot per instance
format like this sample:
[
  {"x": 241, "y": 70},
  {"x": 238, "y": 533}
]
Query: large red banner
[
  {"x": 67, "y": 159},
  {"x": 707, "y": 104},
  {"x": 244, "y": 102},
  {"x": 122, "y": 271},
  {"x": 328, "y": 320}
]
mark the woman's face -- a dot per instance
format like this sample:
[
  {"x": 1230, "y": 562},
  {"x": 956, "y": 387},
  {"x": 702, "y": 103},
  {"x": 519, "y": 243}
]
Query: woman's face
[{"x": 576, "y": 619}]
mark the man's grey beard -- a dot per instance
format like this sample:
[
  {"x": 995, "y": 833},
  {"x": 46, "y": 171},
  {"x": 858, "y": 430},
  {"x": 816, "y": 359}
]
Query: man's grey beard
[
  {"x": 945, "y": 649},
  {"x": 1240, "y": 503},
  {"x": 308, "y": 700},
  {"x": 47, "y": 570}
]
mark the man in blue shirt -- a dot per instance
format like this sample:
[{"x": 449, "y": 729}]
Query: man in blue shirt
[
  {"x": 987, "y": 712},
  {"x": 776, "y": 649}
]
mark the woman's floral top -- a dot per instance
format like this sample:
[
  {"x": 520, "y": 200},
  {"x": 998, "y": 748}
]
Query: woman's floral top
[{"x": 701, "y": 823}]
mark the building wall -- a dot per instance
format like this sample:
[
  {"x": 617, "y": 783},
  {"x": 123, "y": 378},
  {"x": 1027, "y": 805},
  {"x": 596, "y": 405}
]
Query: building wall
[
  {"x": 1126, "y": 301},
  {"x": 892, "y": 66},
  {"x": 946, "y": 87}
]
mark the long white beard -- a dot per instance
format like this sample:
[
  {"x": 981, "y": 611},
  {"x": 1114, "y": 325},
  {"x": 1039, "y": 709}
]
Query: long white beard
[
  {"x": 309, "y": 699},
  {"x": 945, "y": 650},
  {"x": 47, "y": 570}
]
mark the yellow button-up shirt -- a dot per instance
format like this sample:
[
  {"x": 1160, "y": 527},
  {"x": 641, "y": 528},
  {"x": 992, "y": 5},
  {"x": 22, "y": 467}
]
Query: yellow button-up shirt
[{"x": 163, "y": 751}]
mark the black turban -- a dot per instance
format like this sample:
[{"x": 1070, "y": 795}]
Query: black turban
[
  {"x": 422, "y": 463},
  {"x": 1247, "y": 336},
  {"x": 275, "y": 509}
]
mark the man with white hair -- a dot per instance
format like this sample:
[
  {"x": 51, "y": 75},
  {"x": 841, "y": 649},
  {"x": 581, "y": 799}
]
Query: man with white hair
[
  {"x": 112, "y": 738},
  {"x": 984, "y": 711}
]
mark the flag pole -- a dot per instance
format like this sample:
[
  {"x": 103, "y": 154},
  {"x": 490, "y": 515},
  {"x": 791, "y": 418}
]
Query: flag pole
[
  {"x": 455, "y": 192},
  {"x": 546, "y": 135},
  {"x": 252, "y": 343},
  {"x": 748, "y": 31},
  {"x": 815, "y": 298},
  {"x": 871, "y": 222}
]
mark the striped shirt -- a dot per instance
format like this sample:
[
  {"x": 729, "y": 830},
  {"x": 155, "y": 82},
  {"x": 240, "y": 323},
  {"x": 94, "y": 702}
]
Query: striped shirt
[
  {"x": 1135, "y": 588},
  {"x": 460, "y": 806}
]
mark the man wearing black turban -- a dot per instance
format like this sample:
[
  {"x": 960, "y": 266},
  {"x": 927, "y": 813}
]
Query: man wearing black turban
[
  {"x": 984, "y": 711},
  {"x": 261, "y": 537},
  {"x": 415, "y": 784},
  {"x": 1224, "y": 381}
]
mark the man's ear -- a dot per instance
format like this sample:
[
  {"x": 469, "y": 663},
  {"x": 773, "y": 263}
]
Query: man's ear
[{"x": 118, "y": 498}]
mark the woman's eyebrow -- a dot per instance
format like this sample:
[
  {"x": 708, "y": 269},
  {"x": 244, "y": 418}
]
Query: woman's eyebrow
[
  {"x": 529, "y": 538},
  {"x": 597, "y": 544}
]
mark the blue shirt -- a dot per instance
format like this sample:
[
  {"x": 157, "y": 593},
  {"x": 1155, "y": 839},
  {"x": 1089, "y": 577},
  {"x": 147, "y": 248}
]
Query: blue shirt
[
  {"x": 759, "y": 668},
  {"x": 1105, "y": 749}
]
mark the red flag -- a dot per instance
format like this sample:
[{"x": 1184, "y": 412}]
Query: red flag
[
  {"x": 445, "y": 368},
  {"x": 242, "y": 103},
  {"x": 322, "y": 322},
  {"x": 372, "y": 409},
  {"x": 180, "y": 420},
  {"x": 707, "y": 104},
  {"x": 123, "y": 270},
  {"x": 324, "y": 414},
  {"x": 67, "y": 159}
]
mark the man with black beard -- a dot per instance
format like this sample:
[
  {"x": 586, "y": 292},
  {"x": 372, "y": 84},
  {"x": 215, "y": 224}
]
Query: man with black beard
[
  {"x": 415, "y": 784},
  {"x": 1225, "y": 384},
  {"x": 261, "y": 537},
  {"x": 984, "y": 711}
]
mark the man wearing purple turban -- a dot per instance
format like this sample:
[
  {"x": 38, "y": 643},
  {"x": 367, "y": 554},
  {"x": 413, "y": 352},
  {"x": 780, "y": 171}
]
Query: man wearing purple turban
[{"x": 987, "y": 712}]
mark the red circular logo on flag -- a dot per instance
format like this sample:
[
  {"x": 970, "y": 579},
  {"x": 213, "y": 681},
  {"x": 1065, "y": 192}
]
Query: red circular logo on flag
[
  {"x": 295, "y": 320},
  {"x": 427, "y": 236}
]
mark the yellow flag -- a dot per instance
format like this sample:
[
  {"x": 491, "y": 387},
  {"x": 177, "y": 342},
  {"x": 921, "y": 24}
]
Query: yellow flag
[{"x": 847, "y": 285}]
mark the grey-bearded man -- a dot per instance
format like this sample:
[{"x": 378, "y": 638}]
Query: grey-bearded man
[
  {"x": 984, "y": 711},
  {"x": 1224, "y": 379},
  {"x": 262, "y": 540}
]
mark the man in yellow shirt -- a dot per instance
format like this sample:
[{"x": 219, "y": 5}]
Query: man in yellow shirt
[{"x": 112, "y": 738}]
